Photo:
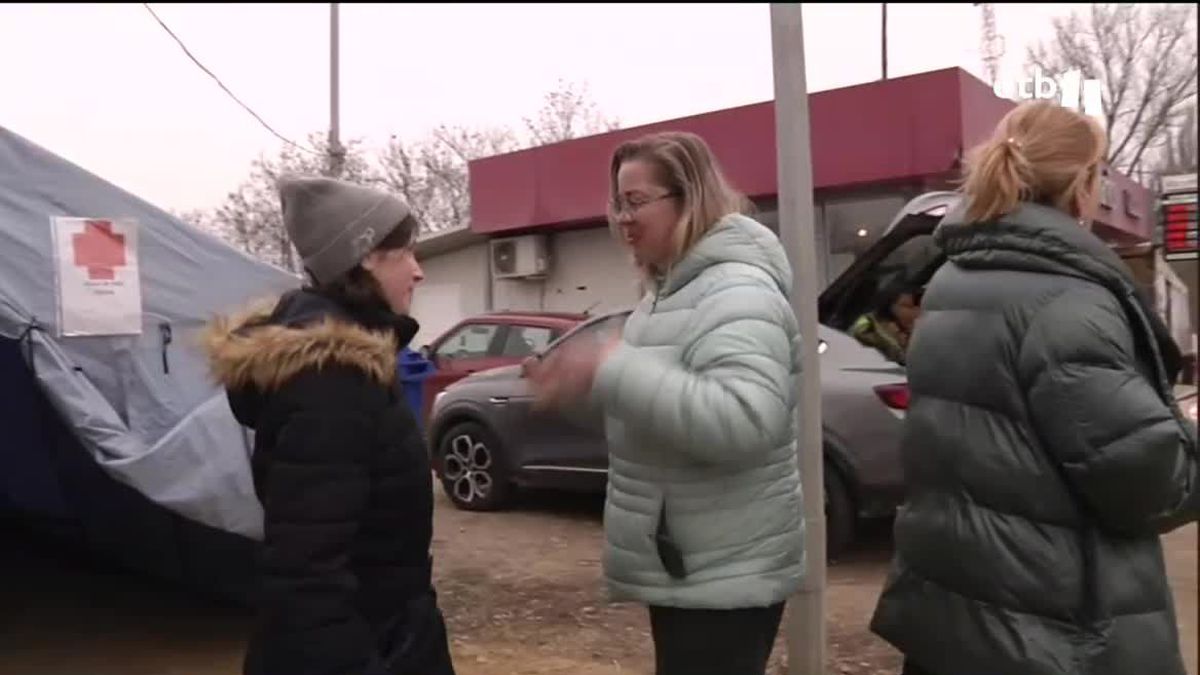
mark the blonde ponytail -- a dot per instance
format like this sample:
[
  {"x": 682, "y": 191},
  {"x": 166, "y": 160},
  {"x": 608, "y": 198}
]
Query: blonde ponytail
[
  {"x": 1040, "y": 152},
  {"x": 998, "y": 180}
]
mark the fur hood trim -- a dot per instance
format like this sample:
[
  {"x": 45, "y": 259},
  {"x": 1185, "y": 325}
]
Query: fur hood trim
[{"x": 243, "y": 350}]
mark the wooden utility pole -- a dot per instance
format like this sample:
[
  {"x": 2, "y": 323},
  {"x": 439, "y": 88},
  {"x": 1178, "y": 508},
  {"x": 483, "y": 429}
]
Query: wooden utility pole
[{"x": 805, "y": 626}]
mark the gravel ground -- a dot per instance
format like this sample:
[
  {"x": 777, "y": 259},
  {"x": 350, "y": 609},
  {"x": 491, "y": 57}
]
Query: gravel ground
[{"x": 521, "y": 591}]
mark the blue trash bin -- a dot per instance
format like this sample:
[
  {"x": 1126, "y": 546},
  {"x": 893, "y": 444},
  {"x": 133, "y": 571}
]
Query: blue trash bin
[{"x": 412, "y": 370}]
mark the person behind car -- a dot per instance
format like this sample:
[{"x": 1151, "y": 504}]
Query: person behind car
[
  {"x": 703, "y": 520},
  {"x": 1044, "y": 452},
  {"x": 339, "y": 463},
  {"x": 889, "y": 326}
]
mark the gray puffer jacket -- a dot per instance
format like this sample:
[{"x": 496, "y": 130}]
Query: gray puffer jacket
[
  {"x": 700, "y": 404},
  {"x": 1044, "y": 454}
]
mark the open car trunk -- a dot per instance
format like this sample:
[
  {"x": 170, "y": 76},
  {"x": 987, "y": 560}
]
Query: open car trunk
[{"x": 906, "y": 250}]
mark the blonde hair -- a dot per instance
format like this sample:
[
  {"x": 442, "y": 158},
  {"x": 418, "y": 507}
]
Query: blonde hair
[
  {"x": 1040, "y": 152},
  {"x": 686, "y": 166}
]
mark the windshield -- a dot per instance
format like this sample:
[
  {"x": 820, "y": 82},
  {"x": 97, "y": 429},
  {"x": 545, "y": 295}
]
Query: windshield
[{"x": 596, "y": 330}]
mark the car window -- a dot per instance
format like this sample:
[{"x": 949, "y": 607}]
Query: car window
[
  {"x": 469, "y": 342},
  {"x": 595, "y": 330},
  {"x": 525, "y": 341}
]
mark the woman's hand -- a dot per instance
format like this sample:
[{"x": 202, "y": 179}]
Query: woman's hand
[{"x": 567, "y": 373}]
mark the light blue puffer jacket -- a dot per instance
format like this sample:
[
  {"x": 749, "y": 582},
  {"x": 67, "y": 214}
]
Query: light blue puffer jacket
[{"x": 699, "y": 403}]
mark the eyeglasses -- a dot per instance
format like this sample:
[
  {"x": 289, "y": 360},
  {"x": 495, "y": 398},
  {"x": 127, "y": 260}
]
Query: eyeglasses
[{"x": 621, "y": 207}]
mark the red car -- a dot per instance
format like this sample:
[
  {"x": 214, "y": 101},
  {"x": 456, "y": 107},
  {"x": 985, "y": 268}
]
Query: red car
[{"x": 490, "y": 341}]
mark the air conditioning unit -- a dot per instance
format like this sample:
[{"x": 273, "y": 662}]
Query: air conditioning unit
[{"x": 520, "y": 257}]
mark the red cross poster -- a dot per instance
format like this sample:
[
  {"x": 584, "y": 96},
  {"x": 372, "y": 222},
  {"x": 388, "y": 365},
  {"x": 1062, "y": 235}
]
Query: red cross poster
[{"x": 99, "y": 288}]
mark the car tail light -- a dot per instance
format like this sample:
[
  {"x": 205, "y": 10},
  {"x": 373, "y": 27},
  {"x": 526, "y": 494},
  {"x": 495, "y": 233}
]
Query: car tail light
[{"x": 894, "y": 396}]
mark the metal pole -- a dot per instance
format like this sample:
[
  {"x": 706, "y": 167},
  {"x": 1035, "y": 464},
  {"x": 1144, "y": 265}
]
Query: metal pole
[
  {"x": 336, "y": 154},
  {"x": 805, "y": 627},
  {"x": 884, "y": 53}
]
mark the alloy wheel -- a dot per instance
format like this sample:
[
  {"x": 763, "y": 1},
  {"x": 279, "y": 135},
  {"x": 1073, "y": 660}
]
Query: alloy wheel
[{"x": 468, "y": 469}]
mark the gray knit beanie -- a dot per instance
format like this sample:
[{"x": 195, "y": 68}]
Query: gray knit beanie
[{"x": 334, "y": 224}]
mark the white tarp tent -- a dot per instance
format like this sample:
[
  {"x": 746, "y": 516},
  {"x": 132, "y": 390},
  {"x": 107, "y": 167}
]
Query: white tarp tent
[{"x": 143, "y": 406}]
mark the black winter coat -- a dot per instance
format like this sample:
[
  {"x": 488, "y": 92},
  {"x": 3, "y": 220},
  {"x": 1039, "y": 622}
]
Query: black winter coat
[
  {"x": 343, "y": 475},
  {"x": 1044, "y": 454}
]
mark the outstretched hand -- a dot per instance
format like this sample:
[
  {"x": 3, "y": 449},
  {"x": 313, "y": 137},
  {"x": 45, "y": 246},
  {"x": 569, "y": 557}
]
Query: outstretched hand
[{"x": 566, "y": 374}]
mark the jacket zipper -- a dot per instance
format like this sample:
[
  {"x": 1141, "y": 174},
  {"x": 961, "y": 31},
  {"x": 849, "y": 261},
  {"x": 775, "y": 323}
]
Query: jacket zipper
[{"x": 658, "y": 286}]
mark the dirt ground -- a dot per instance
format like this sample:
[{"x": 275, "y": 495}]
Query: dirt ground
[
  {"x": 530, "y": 599},
  {"x": 522, "y": 592}
]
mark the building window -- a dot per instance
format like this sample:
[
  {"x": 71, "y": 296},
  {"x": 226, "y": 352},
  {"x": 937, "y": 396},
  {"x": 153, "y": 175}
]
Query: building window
[{"x": 856, "y": 222}]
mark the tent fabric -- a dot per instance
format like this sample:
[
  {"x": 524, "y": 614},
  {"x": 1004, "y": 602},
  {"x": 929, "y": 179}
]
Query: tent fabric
[
  {"x": 145, "y": 409},
  {"x": 52, "y": 487}
]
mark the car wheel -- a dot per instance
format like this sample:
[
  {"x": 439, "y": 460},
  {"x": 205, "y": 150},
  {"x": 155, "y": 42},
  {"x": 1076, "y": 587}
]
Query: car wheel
[
  {"x": 473, "y": 474},
  {"x": 840, "y": 517}
]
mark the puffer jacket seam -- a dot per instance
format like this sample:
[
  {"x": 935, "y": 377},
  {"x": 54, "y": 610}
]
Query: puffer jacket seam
[
  {"x": 712, "y": 580},
  {"x": 988, "y": 603},
  {"x": 969, "y": 404},
  {"x": 707, "y": 551},
  {"x": 742, "y": 507},
  {"x": 1038, "y": 312},
  {"x": 693, "y": 344},
  {"x": 1068, "y": 528},
  {"x": 971, "y": 598}
]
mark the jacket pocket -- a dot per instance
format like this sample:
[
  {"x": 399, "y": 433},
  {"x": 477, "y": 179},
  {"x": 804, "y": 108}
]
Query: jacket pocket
[
  {"x": 413, "y": 641},
  {"x": 669, "y": 553}
]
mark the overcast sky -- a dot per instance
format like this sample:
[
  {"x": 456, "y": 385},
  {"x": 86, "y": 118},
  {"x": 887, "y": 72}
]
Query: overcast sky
[{"x": 105, "y": 87}]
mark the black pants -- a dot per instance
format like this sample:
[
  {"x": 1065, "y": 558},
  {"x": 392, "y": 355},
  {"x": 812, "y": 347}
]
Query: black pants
[
  {"x": 713, "y": 642},
  {"x": 911, "y": 668}
]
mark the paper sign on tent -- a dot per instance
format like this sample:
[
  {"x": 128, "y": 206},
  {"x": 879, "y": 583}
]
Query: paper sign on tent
[{"x": 97, "y": 275}]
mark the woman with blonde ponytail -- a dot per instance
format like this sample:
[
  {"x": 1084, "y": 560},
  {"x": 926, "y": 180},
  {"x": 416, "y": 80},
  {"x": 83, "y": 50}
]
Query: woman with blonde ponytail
[{"x": 1044, "y": 452}]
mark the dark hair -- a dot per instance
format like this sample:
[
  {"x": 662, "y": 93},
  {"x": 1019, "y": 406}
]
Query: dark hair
[
  {"x": 357, "y": 288},
  {"x": 891, "y": 291}
]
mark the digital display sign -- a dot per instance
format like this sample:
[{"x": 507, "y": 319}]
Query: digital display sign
[{"x": 1180, "y": 227}]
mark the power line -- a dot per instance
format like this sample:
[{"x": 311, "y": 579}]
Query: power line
[{"x": 222, "y": 84}]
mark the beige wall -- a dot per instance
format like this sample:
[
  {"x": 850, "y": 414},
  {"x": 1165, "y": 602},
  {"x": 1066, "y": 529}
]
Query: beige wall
[
  {"x": 455, "y": 287},
  {"x": 589, "y": 271}
]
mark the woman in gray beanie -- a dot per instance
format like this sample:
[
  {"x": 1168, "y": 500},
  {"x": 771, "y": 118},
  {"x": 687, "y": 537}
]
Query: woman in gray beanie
[{"x": 339, "y": 463}]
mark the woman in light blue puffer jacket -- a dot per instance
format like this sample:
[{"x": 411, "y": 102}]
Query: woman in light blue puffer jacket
[{"x": 703, "y": 521}]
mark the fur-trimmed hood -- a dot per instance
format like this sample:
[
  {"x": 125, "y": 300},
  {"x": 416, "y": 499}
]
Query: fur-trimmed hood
[{"x": 260, "y": 349}]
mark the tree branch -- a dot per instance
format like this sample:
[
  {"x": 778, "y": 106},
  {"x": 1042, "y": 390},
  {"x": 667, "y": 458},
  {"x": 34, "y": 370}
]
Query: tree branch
[{"x": 1145, "y": 58}]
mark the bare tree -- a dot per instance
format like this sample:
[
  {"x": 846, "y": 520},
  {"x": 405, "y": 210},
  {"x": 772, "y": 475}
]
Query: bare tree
[
  {"x": 1145, "y": 59},
  {"x": 197, "y": 218},
  {"x": 567, "y": 112},
  {"x": 1181, "y": 154},
  {"x": 431, "y": 175},
  {"x": 205, "y": 221}
]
